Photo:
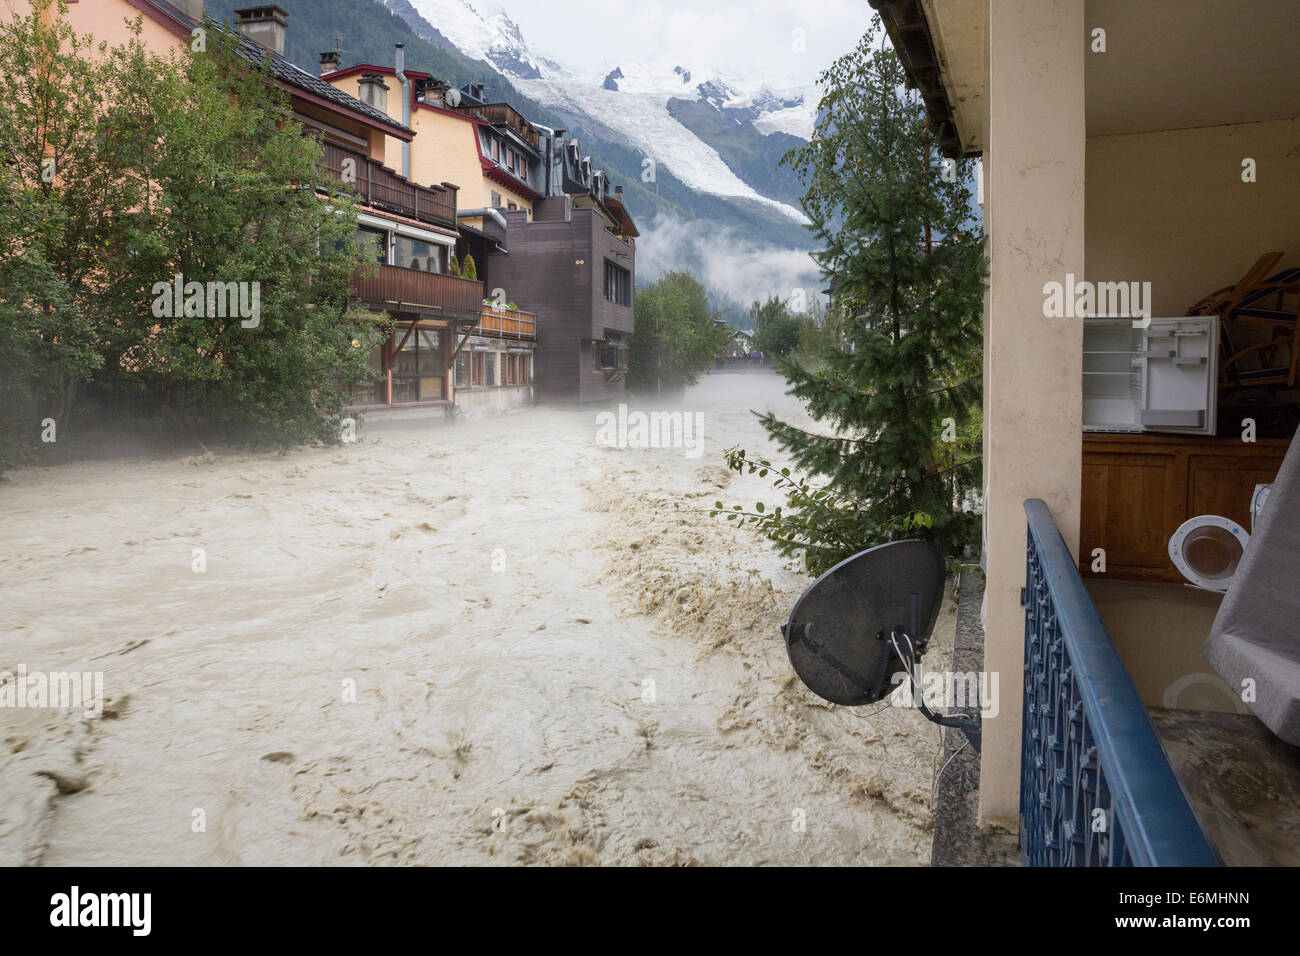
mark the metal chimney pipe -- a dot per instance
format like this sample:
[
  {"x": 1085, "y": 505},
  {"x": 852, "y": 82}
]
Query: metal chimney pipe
[
  {"x": 406, "y": 107},
  {"x": 551, "y": 134}
]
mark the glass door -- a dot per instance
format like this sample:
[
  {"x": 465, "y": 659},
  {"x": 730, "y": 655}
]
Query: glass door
[
  {"x": 406, "y": 367},
  {"x": 433, "y": 371}
]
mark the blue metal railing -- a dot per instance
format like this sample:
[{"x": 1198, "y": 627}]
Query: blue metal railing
[{"x": 1096, "y": 788}]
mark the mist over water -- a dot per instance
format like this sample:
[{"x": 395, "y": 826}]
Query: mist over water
[{"x": 494, "y": 641}]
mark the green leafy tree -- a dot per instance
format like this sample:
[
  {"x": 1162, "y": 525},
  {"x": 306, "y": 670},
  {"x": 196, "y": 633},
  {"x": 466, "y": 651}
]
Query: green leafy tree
[
  {"x": 468, "y": 269},
  {"x": 186, "y": 165},
  {"x": 821, "y": 330},
  {"x": 770, "y": 310},
  {"x": 675, "y": 339},
  {"x": 897, "y": 453},
  {"x": 61, "y": 181},
  {"x": 232, "y": 199},
  {"x": 779, "y": 336}
]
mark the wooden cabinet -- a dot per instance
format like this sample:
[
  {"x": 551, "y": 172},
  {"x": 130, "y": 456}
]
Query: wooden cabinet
[{"x": 1138, "y": 488}]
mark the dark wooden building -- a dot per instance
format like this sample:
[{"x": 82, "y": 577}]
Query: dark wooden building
[{"x": 576, "y": 269}]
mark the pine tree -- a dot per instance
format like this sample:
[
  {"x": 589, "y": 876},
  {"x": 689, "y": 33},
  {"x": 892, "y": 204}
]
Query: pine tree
[{"x": 898, "y": 391}]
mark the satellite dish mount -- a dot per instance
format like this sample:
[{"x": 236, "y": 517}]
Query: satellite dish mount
[{"x": 867, "y": 618}]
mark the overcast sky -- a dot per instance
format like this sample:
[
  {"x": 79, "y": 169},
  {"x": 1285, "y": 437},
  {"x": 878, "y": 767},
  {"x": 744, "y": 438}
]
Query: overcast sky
[{"x": 740, "y": 38}]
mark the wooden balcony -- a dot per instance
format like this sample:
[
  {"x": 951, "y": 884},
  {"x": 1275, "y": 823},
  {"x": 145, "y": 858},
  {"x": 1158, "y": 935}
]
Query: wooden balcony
[
  {"x": 378, "y": 186},
  {"x": 410, "y": 290},
  {"x": 507, "y": 323},
  {"x": 503, "y": 114}
]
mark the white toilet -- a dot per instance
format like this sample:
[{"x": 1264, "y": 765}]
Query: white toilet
[{"x": 1207, "y": 549}]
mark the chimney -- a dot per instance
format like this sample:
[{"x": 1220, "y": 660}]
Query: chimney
[
  {"x": 193, "y": 7},
  {"x": 264, "y": 25},
  {"x": 618, "y": 193},
  {"x": 329, "y": 62},
  {"x": 374, "y": 91},
  {"x": 400, "y": 72}
]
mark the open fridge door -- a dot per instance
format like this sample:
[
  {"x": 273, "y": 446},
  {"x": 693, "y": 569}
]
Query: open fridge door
[{"x": 1179, "y": 361}]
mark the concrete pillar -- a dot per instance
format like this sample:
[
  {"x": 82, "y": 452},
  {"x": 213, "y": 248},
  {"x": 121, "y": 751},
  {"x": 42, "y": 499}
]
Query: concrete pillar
[{"x": 1033, "y": 403}]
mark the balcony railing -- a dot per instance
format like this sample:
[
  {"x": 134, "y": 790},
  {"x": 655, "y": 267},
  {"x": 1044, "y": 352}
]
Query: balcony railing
[
  {"x": 378, "y": 186},
  {"x": 1096, "y": 788},
  {"x": 502, "y": 114},
  {"x": 507, "y": 323},
  {"x": 395, "y": 288}
]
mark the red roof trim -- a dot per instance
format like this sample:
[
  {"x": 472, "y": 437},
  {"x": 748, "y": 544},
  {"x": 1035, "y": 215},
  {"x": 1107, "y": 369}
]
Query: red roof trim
[
  {"x": 397, "y": 132},
  {"x": 368, "y": 68},
  {"x": 395, "y": 217},
  {"x": 500, "y": 176},
  {"x": 446, "y": 112}
]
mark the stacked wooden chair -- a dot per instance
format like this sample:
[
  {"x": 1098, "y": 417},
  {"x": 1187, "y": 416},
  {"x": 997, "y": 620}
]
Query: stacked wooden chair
[{"x": 1257, "y": 299}]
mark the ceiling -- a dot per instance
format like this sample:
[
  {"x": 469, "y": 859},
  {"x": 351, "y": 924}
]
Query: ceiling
[
  {"x": 1169, "y": 64},
  {"x": 1175, "y": 64}
]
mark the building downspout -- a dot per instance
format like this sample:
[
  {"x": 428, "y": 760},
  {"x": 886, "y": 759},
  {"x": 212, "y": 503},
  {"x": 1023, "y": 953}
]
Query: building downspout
[
  {"x": 406, "y": 107},
  {"x": 485, "y": 211},
  {"x": 550, "y": 153}
]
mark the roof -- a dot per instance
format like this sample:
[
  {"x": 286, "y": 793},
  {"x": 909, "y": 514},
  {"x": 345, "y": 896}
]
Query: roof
[
  {"x": 620, "y": 213},
  {"x": 279, "y": 66},
  {"x": 468, "y": 230},
  {"x": 364, "y": 68},
  {"x": 506, "y": 180},
  {"x": 909, "y": 32}
]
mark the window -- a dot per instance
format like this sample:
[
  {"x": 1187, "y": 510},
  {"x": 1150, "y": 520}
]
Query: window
[
  {"x": 517, "y": 369},
  {"x": 476, "y": 369},
  {"x": 511, "y": 205},
  {"x": 374, "y": 243},
  {"x": 610, "y": 357},
  {"x": 370, "y": 390},
  {"x": 510, "y": 368},
  {"x": 418, "y": 366},
  {"x": 496, "y": 150},
  {"x": 618, "y": 284},
  {"x": 417, "y": 254},
  {"x": 496, "y": 200}
]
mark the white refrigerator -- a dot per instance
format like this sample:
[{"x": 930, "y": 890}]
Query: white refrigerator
[{"x": 1161, "y": 378}]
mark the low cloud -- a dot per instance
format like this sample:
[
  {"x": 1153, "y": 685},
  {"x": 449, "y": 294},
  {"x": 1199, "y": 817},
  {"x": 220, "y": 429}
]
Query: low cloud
[{"x": 738, "y": 268}]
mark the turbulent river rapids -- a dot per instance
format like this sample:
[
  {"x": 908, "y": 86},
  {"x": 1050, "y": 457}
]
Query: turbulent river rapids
[{"x": 490, "y": 642}]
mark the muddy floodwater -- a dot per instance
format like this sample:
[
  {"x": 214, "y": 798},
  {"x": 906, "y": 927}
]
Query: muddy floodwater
[{"x": 491, "y": 642}]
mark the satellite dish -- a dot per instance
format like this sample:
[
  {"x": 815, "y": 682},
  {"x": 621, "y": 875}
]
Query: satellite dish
[
  {"x": 866, "y": 619},
  {"x": 452, "y": 97}
]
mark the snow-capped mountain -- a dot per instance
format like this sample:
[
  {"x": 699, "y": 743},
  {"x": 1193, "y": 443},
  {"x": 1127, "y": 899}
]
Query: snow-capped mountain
[{"x": 719, "y": 135}]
